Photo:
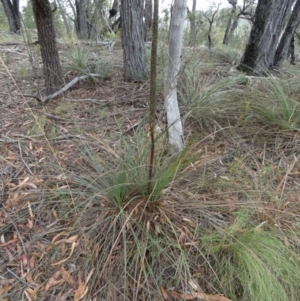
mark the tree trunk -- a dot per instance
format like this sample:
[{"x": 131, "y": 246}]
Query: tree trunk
[
  {"x": 46, "y": 35},
  {"x": 193, "y": 32},
  {"x": 234, "y": 26},
  {"x": 81, "y": 20},
  {"x": 133, "y": 44},
  {"x": 292, "y": 51},
  {"x": 11, "y": 10},
  {"x": 285, "y": 41},
  {"x": 171, "y": 104},
  {"x": 268, "y": 23},
  {"x": 228, "y": 31},
  {"x": 211, "y": 20},
  {"x": 65, "y": 21},
  {"x": 115, "y": 5},
  {"x": 148, "y": 12}
]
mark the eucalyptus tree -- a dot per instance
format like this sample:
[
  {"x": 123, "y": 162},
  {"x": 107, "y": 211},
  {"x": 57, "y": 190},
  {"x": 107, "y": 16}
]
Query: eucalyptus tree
[
  {"x": 133, "y": 44},
  {"x": 287, "y": 40},
  {"x": 43, "y": 15},
  {"x": 11, "y": 9},
  {"x": 175, "y": 128},
  {"x": 81, "y": 22},
  {"x": 192, "y": 19},
  {"x": 210, "y": 17},
  {"x": 269, "y": 21},
  {"x": 245, "y": 11}
]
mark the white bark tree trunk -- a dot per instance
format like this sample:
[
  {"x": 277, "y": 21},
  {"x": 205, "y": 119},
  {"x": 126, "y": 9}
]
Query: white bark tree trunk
[{"x": 171, "y": 104}]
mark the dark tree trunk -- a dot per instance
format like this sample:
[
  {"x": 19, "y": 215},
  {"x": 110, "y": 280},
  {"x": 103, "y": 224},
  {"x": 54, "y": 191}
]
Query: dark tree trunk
[
  {"x": 11, "y": 10},
  {"x": 148, "y": 12},
  {"x": 268, "y": 23},
  {"x": 292, "y": 51},
  {"x": 133, "y": 44},
  {"x": 234, "y": 26},
  {"x": 228, "y": 30},
  {"x": 81, "y": 23},
  {"x": 211, "y": 22},
  {"x": 285, "y": 41},
  {"x": 46, "y": 35},
  {"x": 115, "y": 5},
  {"x": 193, "y": 32}
]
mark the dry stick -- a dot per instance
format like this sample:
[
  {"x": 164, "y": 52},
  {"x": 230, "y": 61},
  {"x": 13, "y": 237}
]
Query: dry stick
[
  {"x": 20, "y": 279},
  {"x": 17, "y": 230},
  {"x": 27, "y": 167},
  {"x": 63, "y": 89}
]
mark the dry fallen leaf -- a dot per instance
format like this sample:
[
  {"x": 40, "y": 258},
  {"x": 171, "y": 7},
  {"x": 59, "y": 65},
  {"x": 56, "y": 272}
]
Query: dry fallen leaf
[
  {"x": 30, "y": 293},
  {"x": 66, "y": 276},
  {"x": 4, "y": 289},
  {"x": 30, "y": 280},
  {"x": 52, "y": 280},
  {"x": 63, "y": 260},
  {"x": 8, "y": 242},
  {"x": 80, "y": 292},
  {"x": 30, "y": 223},
  {"x": 164, "y": 293},
  {"x": 184, "y": 296}
]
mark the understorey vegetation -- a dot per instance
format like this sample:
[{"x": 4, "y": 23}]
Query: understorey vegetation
[{"x": 81, "y": 216}]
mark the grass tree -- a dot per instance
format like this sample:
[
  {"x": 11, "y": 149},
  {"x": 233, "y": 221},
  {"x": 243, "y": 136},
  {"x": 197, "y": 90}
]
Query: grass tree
[{"x": 171, "y": 104}]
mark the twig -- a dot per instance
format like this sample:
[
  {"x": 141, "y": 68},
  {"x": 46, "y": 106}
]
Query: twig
[
  {"x": 17, "y": 230},
  {"x": 27, "y": 167},
  {"x": 63, "y": 89},
  {"x": 69, "y": 85},
  {"x": 50, "y": 116},
  {"x": 19, "y": 278}
]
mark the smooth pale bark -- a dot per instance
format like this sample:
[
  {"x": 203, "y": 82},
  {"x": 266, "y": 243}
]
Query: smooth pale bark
[
  {"x": 46, "y": 35},
  {"x": 286, "y": 39},
  {"x": 268, "y": 23},
  {"x": 171, "y": 104},
  {"x": 133, "y": 44}
]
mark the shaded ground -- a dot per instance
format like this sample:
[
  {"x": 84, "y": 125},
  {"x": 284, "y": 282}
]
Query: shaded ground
[{"x": 41, "y": 255}]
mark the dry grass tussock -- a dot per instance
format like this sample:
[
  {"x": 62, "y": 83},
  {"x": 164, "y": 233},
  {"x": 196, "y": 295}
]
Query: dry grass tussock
[{"x": 80, "y": 221}]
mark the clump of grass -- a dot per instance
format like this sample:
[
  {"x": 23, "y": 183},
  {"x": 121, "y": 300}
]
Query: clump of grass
[
  {"x": 80, "y": 59},
  {"x": 273, "y": 104},
  {"x": 116, "y": 208},
  {"x": 215, "y": 101},
  {"x": 253, "y": 262}
]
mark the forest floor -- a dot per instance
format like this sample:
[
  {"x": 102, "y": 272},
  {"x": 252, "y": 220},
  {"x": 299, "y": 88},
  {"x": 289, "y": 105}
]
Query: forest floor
[{"x": 50, "y": 234}]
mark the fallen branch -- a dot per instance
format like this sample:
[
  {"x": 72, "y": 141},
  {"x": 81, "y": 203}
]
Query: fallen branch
[{"x": 63, "y": 89}]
